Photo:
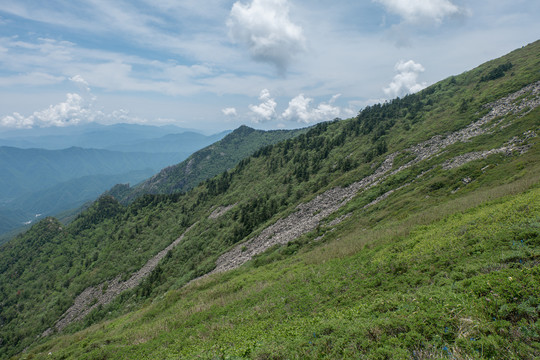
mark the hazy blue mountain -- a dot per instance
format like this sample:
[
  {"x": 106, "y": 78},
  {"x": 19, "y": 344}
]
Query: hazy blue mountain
[
  {"x": 30, "y": 170},
  {"x": 75, "y": 192},
  {"x": 49, "y": 170},
  {"x": 12, "y": 219},
  {"x": 95, "y": 136},
  {"x": 71, "y": 194},
  {"x": 190, "y": 141},
  {"x": 36, "y": 181}
]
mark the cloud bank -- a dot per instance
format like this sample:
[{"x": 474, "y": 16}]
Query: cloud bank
[
  {"x": 264, "y": 27},
  {"x": 406, "y": 82},
  {"x": 266, "y": 110},
  {"x": 300, "y": 109},
  {"x": 421, "y": 11},
  {"x": 76, "y": 109}
]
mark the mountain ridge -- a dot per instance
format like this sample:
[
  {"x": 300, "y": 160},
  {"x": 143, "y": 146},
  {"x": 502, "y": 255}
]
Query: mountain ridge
[{"x": 205, "y": 163}]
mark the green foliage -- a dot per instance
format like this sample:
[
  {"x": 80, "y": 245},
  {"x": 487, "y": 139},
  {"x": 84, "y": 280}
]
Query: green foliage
[
  {"x": 498, "y": 72},
  {"x": 106, "y": 207}
]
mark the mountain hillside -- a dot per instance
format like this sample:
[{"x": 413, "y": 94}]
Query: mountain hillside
[
  {"x": 409, "y": 231},
  {"x": 206, "y": 163}
]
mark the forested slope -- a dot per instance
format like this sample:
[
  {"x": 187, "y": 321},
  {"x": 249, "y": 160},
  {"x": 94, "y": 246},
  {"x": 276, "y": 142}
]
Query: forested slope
[
  {"x": 410, "y": 231},
  {"x": 205, "y": 163}
]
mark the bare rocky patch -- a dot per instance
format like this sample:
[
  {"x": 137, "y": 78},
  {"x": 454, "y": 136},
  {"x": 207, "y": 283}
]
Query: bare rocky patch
[
  {"x": 309, "y": 215},
  {"x": 516, "y": 144},
  {"x": 220, "y": 211}
]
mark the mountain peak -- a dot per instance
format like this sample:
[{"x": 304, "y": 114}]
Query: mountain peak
[{"x": 244, "y": 129}]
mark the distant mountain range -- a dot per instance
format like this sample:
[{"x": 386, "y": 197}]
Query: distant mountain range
[
  {"x": 120, "y": 137},
  {"x": 42, "y": 176},
  {"x": 31, "y": 170}
]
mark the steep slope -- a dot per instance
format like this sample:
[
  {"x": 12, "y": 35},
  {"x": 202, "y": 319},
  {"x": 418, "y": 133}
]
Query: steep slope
[
  {"x": 410, "y": 230},
  {"x": 206, "y": 163},
  {"x": 434, "y": 291}
]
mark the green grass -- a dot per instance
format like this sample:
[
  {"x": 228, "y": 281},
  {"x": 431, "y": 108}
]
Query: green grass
[{"x": 466, "y": 285}]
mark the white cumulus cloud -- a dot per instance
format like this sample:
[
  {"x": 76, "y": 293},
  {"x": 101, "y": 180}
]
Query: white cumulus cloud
[
  {"x": 266, "y": 110},
  {"x": 419, "y": 11},
  {"x": 229, "y": 111},
  {"x": 406, "y": 81},
  {"x": 300, "y": 109},
  {"x": 78, "y": 79},
  {"x": 16, "y": 121},
  {"x": 74, "y": 110},
  {"x": 265, "y": 28}
]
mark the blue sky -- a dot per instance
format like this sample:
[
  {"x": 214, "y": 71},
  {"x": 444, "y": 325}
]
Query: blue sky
[{"x": 217, "y": 64}]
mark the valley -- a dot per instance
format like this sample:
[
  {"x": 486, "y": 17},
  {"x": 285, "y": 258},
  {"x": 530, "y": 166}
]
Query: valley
[{"x": 50, "y": 181}]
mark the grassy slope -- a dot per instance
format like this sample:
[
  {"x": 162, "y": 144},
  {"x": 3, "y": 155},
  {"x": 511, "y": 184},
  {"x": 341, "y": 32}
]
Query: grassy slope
[
  {"x": 466, "y": 285},
  {"x": 295, "y": 171}
]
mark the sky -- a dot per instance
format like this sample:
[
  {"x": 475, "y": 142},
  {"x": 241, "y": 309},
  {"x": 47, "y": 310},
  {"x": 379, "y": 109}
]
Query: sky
[{"x": 214, "y": 65}]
